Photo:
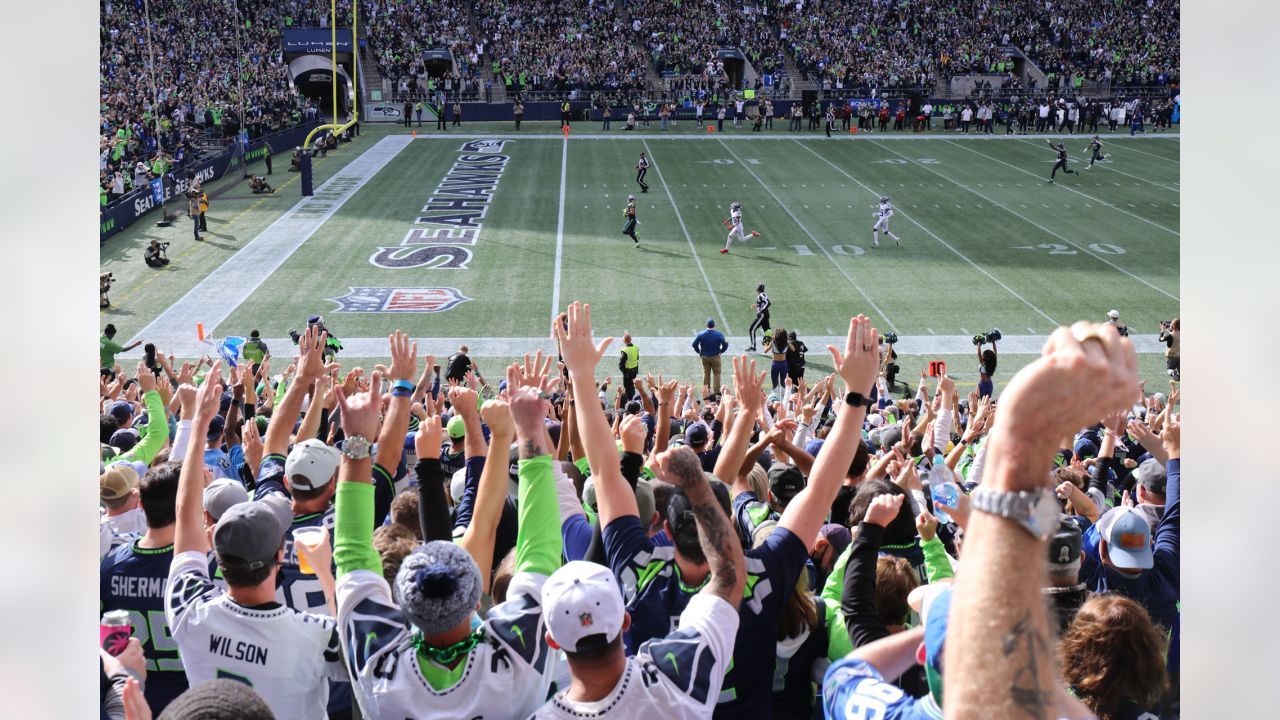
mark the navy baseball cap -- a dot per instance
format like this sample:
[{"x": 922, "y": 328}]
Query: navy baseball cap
[{"x": 711, "y": 322}]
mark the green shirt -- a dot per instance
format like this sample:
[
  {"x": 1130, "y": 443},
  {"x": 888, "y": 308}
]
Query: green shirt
[{"x": 107, "y": 350}]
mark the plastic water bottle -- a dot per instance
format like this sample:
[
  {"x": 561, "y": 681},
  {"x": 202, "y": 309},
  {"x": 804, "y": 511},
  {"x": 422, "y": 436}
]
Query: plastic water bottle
[{"x": 945, "y": 494}]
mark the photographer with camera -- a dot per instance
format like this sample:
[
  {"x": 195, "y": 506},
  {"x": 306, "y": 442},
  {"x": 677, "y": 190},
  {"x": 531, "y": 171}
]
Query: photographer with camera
[
  {"x": 1171, "y": 336},
  {"x": 986, "y": 362},
  {"x": 154, "y": 255},
  {"x": 258, "y": 185},
  {"x": 1113, "y": 318},
  {"x": 889, "y": 362},
  {"x": 193, "y": 211},
  {"x": 104, "y": 286}
]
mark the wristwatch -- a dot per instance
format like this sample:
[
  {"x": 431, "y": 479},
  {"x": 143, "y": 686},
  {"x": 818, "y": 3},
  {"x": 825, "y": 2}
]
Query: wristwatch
[
  {"x": 1035, "y": 510},
  {"x": 356, "y": 447},
  {"x": 857, "y": 399}
]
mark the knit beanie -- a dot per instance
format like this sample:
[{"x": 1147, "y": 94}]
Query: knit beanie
[
  {"x": 218, "y": 700},
  {"x": 438, "y": 586}
]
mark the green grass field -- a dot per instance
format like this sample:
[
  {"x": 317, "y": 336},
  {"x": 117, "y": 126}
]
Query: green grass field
[{"x": 987, "y": 242}]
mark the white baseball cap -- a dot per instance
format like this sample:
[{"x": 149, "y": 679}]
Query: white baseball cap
[
  {"x": 1113, "y": 314},
  {"x": 580, "y": 600},
  {"x": 311, "y": 464}
]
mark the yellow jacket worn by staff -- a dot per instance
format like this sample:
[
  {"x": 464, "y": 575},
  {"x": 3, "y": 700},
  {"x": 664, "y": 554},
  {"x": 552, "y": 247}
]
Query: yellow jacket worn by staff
[
  {"x": 632, "y": 357},
  {"x": 507, "y": 673}
]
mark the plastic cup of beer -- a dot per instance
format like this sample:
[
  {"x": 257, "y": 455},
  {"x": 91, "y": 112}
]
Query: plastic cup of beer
[{"x": 311, "y": 537}]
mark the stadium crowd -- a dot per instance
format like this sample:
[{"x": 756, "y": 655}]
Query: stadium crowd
[
  {"x": 286, "y": 535},
  {"x": 400, "y": 32}
]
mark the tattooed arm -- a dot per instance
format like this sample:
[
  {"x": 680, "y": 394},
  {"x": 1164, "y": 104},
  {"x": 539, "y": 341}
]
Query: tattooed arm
[
  {"x": 719, "y": 542},
  {"x": 1000, "y": 651}
]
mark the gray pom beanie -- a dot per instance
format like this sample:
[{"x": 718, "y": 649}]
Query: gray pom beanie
[{"x": 438, "y": 586}]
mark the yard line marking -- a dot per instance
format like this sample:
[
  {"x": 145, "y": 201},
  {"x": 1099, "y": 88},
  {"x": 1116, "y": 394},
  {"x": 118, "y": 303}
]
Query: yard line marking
[
  {"x": 724, "y": 319},
  {"x": 1156, "y": 155},
  {"x": 944, "y": 243},
  {"x": 1070, "y": 189},
  {"x": 555, "y": 280},
  {"x": 1015, "y": 213},
  {"x": 821, "y": 247},
  {"x": 654, "y": 346},
  {"x": 212, "y": 300}
]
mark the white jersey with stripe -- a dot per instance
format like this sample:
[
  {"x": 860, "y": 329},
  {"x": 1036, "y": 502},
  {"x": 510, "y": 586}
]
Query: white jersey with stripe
[
  {"x": 762, "y": 302},
  {"x": 680, "y": 674},
  {"x": 507, "y": 674},
  {"x": 286, "y": 656}
]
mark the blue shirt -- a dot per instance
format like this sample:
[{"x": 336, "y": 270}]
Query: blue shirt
[
  {"x": 655, "y": 595},
  {"x": 854, "y": 689},
  {"x": 220, "y": 464},
  {"x": 133, "y": 579},
  {"x": 710, "y": 343}
]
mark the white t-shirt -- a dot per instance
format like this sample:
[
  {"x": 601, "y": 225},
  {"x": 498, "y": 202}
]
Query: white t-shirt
[
  {"x": 129, "y": 522},
  {"x": 286, "y": 656},
  {"x": 506, "y": 675},
  {"x": 678, "y": 676}
]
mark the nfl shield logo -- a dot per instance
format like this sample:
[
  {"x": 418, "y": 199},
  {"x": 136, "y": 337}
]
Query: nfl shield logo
[
  {"x": 487, "y": 145},
  {"x": 585, "y": 620},
  {"x": 399, "y": 300}
]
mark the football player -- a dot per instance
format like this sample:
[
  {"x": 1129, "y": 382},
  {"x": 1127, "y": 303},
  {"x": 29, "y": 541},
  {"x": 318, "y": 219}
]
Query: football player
[
  {"x": 630, "y": 214},
  {"x": 882, "y": 215},
  {"x": 1095, "y": 149},
  {"x": 1061, "y": 150},
  {"x": 734, "y": 223}
]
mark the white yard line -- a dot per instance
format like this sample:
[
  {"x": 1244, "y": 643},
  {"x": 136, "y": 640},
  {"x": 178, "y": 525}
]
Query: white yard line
[
  {"x": 749, "y": 137},
  {"x": 1026, "y": 219},
  {"x": 944, "y": 243},
  {"x": 653, "y": 346},
  {"x": 1064, "y": 186},
  {"x": 555, "y": 280},
  {"x": 215, "y": 297},
  {"x": 723, "y": 319},
  {"x": 1158, "y": 156},
  {"x": 1106, "y": 165},
  {"x": 821, "y": 247}
]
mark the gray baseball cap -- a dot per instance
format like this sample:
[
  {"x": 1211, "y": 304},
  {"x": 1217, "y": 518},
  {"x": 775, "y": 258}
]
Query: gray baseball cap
[
  {"x": 249, "y": 534},
  {"x": 221, "y": 495}
]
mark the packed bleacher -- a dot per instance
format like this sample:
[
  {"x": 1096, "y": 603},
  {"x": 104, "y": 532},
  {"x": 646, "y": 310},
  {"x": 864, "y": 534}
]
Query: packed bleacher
[
  {"x": 430, "y": 538},
  {"x": 400, "y": 32}
]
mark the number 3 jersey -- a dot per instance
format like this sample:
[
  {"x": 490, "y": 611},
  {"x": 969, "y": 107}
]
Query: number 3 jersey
[
  {"x": 507, "y": 674},
  {"x": 286, "y": 656}
]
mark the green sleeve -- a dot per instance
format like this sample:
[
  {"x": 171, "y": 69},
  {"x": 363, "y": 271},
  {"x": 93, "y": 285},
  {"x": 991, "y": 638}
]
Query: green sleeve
[
  {"x": 157, "y": 430},
  {"x": 538, "y": 542},
  {"x": 353, "y": 529},
  {"x": 838, "y": 642},
  {"x": 936, "y": 563},
  {"x": 833, "y": 589}
]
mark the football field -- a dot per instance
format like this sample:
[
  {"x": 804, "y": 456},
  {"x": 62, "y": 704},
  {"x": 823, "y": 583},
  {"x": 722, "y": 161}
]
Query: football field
[{"x": 478, "y": 236}]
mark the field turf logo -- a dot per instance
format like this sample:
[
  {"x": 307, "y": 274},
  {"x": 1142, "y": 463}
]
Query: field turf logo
[
  {"x": 453, "y": 216},
  {"x": 399, "y": 300}
]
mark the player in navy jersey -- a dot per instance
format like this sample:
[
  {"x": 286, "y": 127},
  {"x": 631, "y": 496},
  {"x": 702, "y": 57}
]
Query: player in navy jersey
[
  {"x": 132, "y": 578},
  {"x": 1095, "y": 151},
  {"x": 1061, "y": 150}
]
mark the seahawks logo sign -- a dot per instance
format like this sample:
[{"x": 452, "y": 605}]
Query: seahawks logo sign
[
  {"x": 486, "y": 145},
  {"x": 399, "y": 300}
]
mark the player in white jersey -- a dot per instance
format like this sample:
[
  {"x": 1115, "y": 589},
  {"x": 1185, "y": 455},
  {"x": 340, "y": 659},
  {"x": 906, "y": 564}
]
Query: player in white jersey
[
  {"x": 882, "y": 215},
  {"x": 734, "y": 223},
  {"x": 423, "y": 653},
  {"x": 244, "y": 634}
]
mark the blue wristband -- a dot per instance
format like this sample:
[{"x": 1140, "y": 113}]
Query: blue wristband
[
  {"x": 399, "y": 392},
  {"x": 403, "y": 385}
]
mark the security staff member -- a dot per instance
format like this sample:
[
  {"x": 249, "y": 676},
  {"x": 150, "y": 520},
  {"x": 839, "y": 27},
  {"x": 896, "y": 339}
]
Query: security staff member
[
  {"x": 564, "y": 113},
  {"x": 629, "y": 364}
]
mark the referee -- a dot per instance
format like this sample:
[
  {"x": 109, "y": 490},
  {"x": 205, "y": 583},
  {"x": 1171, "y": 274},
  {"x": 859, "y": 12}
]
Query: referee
[
  {"x": 761, "y": 322},
  {"x": 642, "y": 168}
]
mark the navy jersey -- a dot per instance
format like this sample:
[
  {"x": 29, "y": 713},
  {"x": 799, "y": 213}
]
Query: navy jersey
[
  {"x": 749, "y": 513},
  {"x": 801, "y": 662},
  {"x": 655, "y": 595},
  {"x": 133, "y": 579}
]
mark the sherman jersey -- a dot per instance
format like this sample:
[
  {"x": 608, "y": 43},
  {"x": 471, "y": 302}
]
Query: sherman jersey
[
  {"x": 680, "y": 674},
  {"x": 506, "y": 675},
  {"x": 286, "y": 656},
  {"x": 656, "y": 595},
  {"x": 133, "y": 578}
]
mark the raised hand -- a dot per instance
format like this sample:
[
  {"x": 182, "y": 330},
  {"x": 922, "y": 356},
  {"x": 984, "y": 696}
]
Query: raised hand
[
  {"x": 497, "y": 415},
  {"x": 633, "y": 432},
  {"x": 535, "y": 374},
  {"x": 1171, "y": 436},
  {"x": 426, "y": 444},
  {"x": 883, "y": 509},
  {"x": 680, "y": 467},
  {"x": 360, "y": 410},
  {"x": 252, "y": 442},
  {"x": 404, "y": 356},
  {"x": 209, "y": 397},
  {"x": 859, "y": 364},
  {"x": 463, "y": 399},
  {"x": 311, "y": 364},
  {"x": 528, "y": 413},
  {"x": 747, "y": 384},
  {"x": 146, "y": 378},
  {"x": 579, "y": 351},
  {"x": 927, "y": 525}
]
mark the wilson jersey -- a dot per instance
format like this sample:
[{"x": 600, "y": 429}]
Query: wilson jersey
[
  {"x": 681, "y": 674},
  {"x": 886, "y": 210},
  {"x": 656, "y": 595},
  {"x": 506, "y": 675},
  {"x": 133, "y": 579},
  {"x": 853, "y": 689},
  {"x": 286, "y": 656}
]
